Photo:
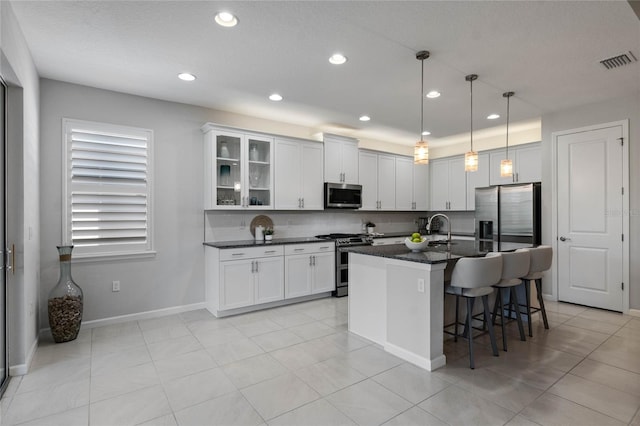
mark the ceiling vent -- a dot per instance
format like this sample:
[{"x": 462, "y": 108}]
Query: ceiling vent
[{"x": 618, "y": 61}]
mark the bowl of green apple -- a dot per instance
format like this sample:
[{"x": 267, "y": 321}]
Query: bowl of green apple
[{"x": 416, "y": 242}]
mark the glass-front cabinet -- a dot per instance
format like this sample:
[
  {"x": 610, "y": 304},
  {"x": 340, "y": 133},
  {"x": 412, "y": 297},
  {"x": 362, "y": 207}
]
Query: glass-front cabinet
[{"x": 238, "y": 169}]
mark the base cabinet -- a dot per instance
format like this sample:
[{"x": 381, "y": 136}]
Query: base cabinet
[
  {"x": 309, "y": 269},
  {"x": 236, "y": 284},
  {"x": 238, "y": 279}
]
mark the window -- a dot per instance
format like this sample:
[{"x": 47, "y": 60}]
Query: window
[{"x": 107, "y": 189}]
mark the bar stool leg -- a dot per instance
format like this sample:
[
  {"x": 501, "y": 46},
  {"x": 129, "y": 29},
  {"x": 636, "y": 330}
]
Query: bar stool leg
[
  {"x": 541, "y": 301},
  {"x": 527, "y": 289},
  {"x": 492, "y": 336},
  {"x": 455, "y": 335},
  {"x": 514, "y": 302},
  {"x": 470, "y": 331},
  {"x": 502, "y": 321}
]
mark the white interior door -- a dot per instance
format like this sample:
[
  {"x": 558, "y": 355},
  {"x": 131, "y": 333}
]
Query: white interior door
[{"x": 590, "y": 204}]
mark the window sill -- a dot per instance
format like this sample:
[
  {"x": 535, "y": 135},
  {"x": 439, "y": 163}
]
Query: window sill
[{"x": 103, "y": 257}]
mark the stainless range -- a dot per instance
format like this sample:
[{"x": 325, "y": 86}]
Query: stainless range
[{"x": 342, "y": 258}]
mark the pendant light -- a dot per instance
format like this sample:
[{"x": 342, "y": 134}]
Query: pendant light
[
  {"x": 471, "y": 157},
  {"x": 506, "y": 166},
  {"x": 421, "y": 149}
]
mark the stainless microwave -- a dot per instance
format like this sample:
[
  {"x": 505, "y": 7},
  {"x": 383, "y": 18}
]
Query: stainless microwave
[{"x": 342, "y": 196}]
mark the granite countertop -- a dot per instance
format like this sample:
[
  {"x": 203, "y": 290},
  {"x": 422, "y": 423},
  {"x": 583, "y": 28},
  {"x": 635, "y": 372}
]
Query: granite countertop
[
  {"x": 274, "y": 242},
  {"x": 435, "y": 254}
]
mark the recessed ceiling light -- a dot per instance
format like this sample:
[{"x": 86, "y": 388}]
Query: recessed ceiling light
[
  {"x": 185, "y": 76},
  {"x": 365, "y": 118},
  {"x": 226, "y": 19},
  {"x": 493, "y": 116},
  {"x": 338, "y": 59},
  {"x": 433, "y": 94},
  {"x": 275, "y": 97},
  {"x": 426, "y": 133}
]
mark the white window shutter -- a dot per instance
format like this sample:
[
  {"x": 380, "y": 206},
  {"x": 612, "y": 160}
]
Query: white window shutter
[{"x": 107, "y": 188}]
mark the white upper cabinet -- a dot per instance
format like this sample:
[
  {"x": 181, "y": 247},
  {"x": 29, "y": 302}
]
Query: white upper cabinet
[
  {"x": 368, "y": 178},
  {"x": 386, "y": 182},
  {"x": 238, "y": 169},
  {"x": 477, "y": 179},
  {"x": 527, "y": 166},
  {"x": 404, "y": 184},
  {"x": 340, "y": 159},
  {"x": 377, "y": 177},
  {"x": 390, "y": 182},
  {"x": 448, "y": 184},
  {"x": 420, "y": 186},
  {"x": 298, "y": 174}
]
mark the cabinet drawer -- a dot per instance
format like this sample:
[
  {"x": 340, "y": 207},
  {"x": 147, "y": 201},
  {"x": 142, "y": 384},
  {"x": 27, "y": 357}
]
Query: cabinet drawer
[
  {"x": 309, "y": 248},
  {"x": 250, "y": 252}
]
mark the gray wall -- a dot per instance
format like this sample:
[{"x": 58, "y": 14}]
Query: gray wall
[
  {"x": 175, "y": 276},
  {"x": 587, "y": 115},
  {"x": 23, "y": 211}
]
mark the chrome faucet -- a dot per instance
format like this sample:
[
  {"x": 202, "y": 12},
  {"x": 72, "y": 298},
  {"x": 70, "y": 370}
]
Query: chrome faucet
[{"x": 448, "y": 223}]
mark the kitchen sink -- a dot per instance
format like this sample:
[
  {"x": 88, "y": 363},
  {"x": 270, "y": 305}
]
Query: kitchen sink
[{"x": 436, "y": 243}]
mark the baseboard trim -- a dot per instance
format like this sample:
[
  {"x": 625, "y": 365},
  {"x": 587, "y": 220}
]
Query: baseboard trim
[
  {"x": 634, "y": 312},
  {"x": 22, "y": 369},
  {"x": 139, "y": 316}
]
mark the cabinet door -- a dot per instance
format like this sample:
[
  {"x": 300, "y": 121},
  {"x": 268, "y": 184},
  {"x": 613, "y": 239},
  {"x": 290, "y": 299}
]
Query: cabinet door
[
  {"x": 236, "y": 284},
  {"x": 420, "y": 186},
  {"x": 495, "y": 157},
  {"x": 332, "y": 160},
  {"x": 324, "y": 277},
  {"x": 404, "y": 183},
  {"x": 259, "y": 176},
  {"x": 288, "y": 172},
  {"x": 457, "y": 184},
  {"x": 386, "y": 182},
  {"x": 312, "y": 176},
  {"x": 439, "y": 172},
  {"x": 350, "y": 161},
  {"x": 269, "y": 279},
  {"x": 368, "y": 178},
  {"x": 297, "y": 279},
  {"x": 227, "y": 169},
  {"x": 477, "y": 179},
  {"x": 528, "y": 164}
]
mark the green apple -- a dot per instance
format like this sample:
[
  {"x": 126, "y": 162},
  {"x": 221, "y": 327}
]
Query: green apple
[{"x": 415, "y": 235}]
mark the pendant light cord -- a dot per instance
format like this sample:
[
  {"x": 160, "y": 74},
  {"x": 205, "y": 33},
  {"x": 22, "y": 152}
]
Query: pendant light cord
[
  {"x": 508, "y": 97},
  {"x": 471, "y": 118},
  {"x": 422, "y": 102}
]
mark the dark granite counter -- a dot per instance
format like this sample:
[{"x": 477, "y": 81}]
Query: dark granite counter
[
  {"x": 274, "y": 242},
  {"x": 437, "y": 253}
]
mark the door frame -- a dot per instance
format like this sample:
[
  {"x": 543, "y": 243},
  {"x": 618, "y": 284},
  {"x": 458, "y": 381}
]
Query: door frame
[{"x": 625, "y": 205}]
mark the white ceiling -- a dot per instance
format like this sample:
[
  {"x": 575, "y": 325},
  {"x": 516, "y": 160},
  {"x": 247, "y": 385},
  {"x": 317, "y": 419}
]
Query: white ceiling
[{"x": 547, "y": 52}]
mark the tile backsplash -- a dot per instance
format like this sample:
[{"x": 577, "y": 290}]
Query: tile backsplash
[{"x": 234, "y": 225}]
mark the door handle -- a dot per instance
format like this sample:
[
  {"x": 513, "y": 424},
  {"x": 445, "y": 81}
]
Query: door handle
[{"x": 565, "y": 239}]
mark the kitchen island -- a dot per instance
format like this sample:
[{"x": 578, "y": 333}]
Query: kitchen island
[{"x": 396, "y": 296}]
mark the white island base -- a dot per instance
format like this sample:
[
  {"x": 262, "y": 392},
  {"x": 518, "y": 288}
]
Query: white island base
[{"x": 399, "y": 305}]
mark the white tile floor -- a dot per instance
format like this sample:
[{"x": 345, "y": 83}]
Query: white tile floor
[{"x": 298, "y": 365}]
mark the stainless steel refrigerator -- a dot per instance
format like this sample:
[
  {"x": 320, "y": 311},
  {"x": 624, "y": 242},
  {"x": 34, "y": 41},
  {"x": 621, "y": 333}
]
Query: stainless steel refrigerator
[{"x": 508, "y": 214}]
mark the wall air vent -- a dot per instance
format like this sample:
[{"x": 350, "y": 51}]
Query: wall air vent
[{"x": 618, "y": 61}]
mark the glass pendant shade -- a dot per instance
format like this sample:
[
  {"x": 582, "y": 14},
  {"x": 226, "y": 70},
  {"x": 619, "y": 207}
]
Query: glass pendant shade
[
  {"x": 506, "y": 168},
  {"x": 471, "y": 161},
  {"x": 421, "y": 153}
]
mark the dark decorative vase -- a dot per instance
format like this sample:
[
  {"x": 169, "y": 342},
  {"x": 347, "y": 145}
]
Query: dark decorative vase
[{"x": 65, "y": 302}]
